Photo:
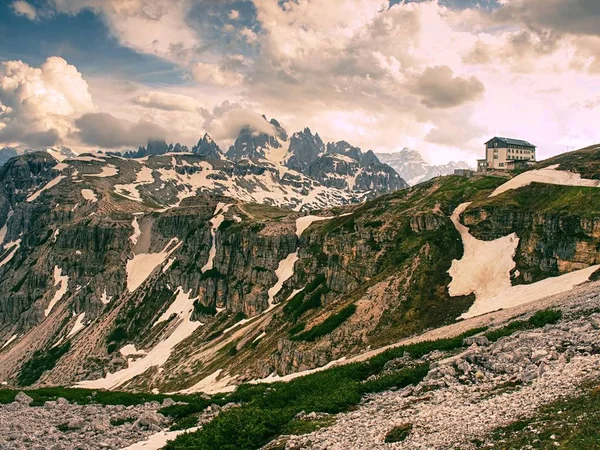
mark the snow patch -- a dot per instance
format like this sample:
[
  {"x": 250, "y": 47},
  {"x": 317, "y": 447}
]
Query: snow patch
[
  {"x": 141, "y": 266},
  {"x": 78, "y": 325},
  {"x": 89, "y": 195},
  {"x": 4, "y": 228},
  {"x": 216, "y": 222},
  {"x": 284, "y": 272},
  {"x": 47, "y": 186},
  {"x": 155, "y": 357},
  {"x": 548, "y": 175},
  {"x": 107, "y": 171},
  {"x": 159, "y": 440},
  {"x": 105, "y": 299},
  {"x": 14, "y": 246},
  {"x": 10, "y": 340},
  {"x": 136, "y": 231},
  {"x": 130, "y": 350},
  {"x": 302, "y": 223},
  {"x": 210, "y": 384},
  {"x": 63, "y": 281},
  {"x": 485, "y": 270}
]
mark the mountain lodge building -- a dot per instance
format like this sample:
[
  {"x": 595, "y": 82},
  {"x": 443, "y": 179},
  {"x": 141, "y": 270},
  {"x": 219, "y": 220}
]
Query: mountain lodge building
[{"x": 506, "y": 154}]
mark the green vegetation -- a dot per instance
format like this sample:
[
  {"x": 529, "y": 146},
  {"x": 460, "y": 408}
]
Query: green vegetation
[
  {"x": 299, "y": 427},
  {"x": 327, "y": 326},
  {"x": 585, "y": 162},
  {"x": 269, "y": 410},
  {"x": 570, "y": 424},
  {"x": 308, "y": 298},
  {"x": 398, "y": 433},
  {"x": 538, "y": 320},
  {"x": 63, "y": 427},
  {"x": 199, "y": 308},
  {"x": 548, "y": 198},
  {"x": 115, "y": 338},
  {"x": 41, "y": 361},
  {"x": 89, "y": 396}
]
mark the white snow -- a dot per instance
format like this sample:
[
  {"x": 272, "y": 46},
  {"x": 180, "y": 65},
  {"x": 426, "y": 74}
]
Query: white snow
[
  {"x": 4, "y": 228},
  {"x": 155, "y": 357},
  {"x": 274, "y": 378},
  {"x": 87, "y": 159},
  {"x": 168, "y": 265},
  {"x": 141, "y": 266},
  {"x": 136, "y": 231},
  {"x": 284, "y": 272},
  {"x": 14, "y": 246},
  {"x": 105, "y": 299},
  {"x": 107, "y": 171},
  {"x": 216, "y": 222},
  {"x": 485, "y": 270},
  {"x": 130, "y": 350},
  {"x": 63, "y": 280},
  {"x": 10, "y": 340},
  {"x": 304, "y": 222},
  {"x": 260, "y": 336},
  {"x": 130, "y": 191},
  {"x": 485, "y": 266},
  {"x": 182, "y": 306},
  {"x": 55, "y": 234},
  {"x": 210, "y": 384},
  {"x": 60, "y": 166},
  {"x": 78, "y": 325},
  {"x": 158, "y": 440},
  {"x": 89, "y": 195},
  {"x": 47, "y": 186},
  {"x": 343, "y": 158},
  {"x": 548, "y": 175}
]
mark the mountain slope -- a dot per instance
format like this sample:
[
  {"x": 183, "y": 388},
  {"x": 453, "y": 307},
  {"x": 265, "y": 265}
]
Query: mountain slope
[{"x": 112, "y": 283}]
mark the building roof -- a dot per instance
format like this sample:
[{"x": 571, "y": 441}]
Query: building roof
[{"x": 512, "y": 141}]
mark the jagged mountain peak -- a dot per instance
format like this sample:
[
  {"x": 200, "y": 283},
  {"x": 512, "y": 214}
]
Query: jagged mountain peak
[{"x": 207, "y": 148}]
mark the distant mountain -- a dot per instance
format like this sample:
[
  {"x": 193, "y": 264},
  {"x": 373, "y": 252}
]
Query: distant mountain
[
  {"x": 6, "y": 153},
  {"x": 411, "y": 166},
  {"x": 155, "y": 148}
]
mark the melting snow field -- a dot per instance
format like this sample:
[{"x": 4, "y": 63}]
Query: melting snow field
[
  {"x": 141, "y": 266},
  {"x": 47, "y": 186},
  {"x": 78, "y": 325},
  {"x": 63, "y": 280},
  {"x": 130, "y": 191},
  {"x": 89, "y": 195},
  {"x": 136, "y": 231},
  {"x": 210, "y": 385},
  {"x": 304, "y": 222},
  {"x": 155, "y": 357},
  {"x": 158, "y": 440},
  {"x": 10, "y": 340},
  {"x": 216, "y": 222},
  {"x": 4, "y": 228},
  {"x": 107, "y": 171},
  {"x": 13, "y": 246},
  {"x": 284, "y": 272},
  {"x": 485, "y": 269},
  {"x": 548, "y": 175}
]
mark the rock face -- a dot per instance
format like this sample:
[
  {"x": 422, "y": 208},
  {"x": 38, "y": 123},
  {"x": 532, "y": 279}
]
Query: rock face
[
  {"x": 207, "y": 148},
  {"x": 411, "y": 166}
]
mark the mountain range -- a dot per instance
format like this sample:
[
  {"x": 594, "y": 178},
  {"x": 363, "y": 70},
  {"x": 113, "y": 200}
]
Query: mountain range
[
  {"x": 184, "y": 272},
  {"x": 411, "y": 166}
]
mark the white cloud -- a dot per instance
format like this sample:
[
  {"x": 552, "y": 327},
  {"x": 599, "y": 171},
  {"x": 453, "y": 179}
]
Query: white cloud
[
  {"x": 167, "y": 101},
  {"x": 40, "y": 103},
  {"x": 216, "y": 74},
  {"x": 107, "y": 131},
  {"x": 25, "y": 9}
]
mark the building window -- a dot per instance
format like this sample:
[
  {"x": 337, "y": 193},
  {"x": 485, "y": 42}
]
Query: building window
[
  {"x": 495, "y": 156},
  {"x": 501, "y": 164}
]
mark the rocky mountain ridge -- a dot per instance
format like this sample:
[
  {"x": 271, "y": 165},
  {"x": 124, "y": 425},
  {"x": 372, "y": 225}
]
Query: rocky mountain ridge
[{"x": 411, "y": 166}]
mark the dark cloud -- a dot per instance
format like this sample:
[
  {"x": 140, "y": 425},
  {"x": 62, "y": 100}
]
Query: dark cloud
[
  {"x": 439, "y": 88},
  {"x": 106, "y": 131},
  {"x": 580, "y": 17},
  {"x": 34, "y": 139}
]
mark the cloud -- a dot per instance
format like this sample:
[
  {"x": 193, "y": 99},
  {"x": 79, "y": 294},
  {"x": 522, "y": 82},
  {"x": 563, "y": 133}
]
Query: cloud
[
  {"x": 216, "y": 74},
  {"x": 23, "y": 8},
  {"x": 167, "y": 101},
  {"x": 106, "y": 131},
  {"x": 38, "y": 105},
  {"x": 439, "y": 88}
]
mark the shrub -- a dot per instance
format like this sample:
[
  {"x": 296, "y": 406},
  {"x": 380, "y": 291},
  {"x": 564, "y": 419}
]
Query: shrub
[
  {"x": 41, "y": 361},
  {"x": 327, "y": 326},
  {"x": 548, "y": 316},
  {"x": 199, "y": 308},
  {"x": 398, "y": 433}
]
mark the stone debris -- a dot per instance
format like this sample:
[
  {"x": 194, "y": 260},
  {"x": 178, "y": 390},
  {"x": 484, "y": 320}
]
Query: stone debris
[
  {"x": 466, "y": 396},
  {"x": 60, "y": 425}
]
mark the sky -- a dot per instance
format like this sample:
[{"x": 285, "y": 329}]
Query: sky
[{"x": 438, "y": 76}]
